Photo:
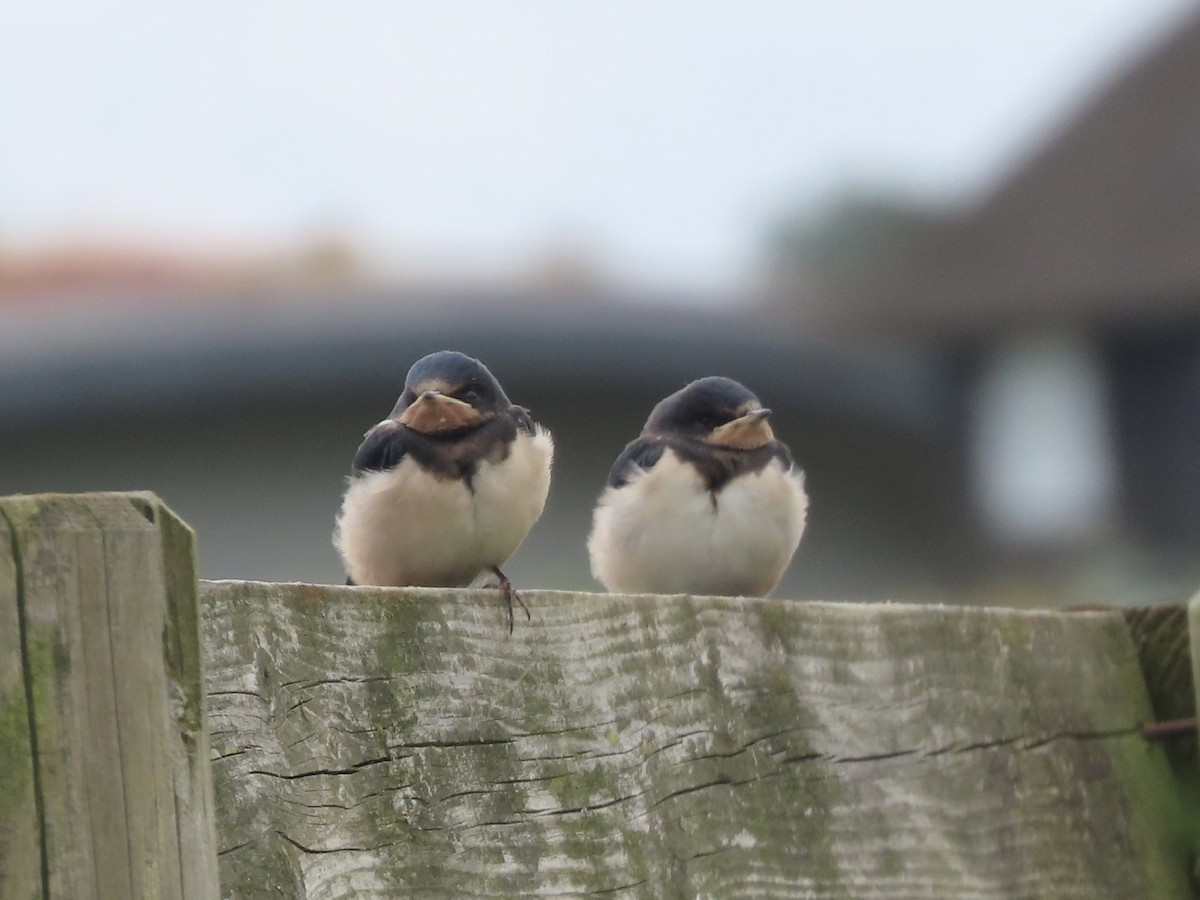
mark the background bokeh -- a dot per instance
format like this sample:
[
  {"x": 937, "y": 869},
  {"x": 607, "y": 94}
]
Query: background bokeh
[{"x": 953, "y": 247}]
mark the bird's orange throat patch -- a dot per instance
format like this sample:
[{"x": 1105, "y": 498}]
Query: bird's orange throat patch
[
  {"x": 745, "y": 433},
  {"x": 439, "y": 414}
]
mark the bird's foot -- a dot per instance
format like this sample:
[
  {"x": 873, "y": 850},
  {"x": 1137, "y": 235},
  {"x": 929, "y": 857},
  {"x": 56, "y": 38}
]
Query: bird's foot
[{"x": 510, "y": 597}]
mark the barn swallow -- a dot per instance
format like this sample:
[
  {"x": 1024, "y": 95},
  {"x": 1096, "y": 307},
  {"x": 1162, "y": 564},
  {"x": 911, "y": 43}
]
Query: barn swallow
[
  {"x": 705, "y": 501},
  {"x": 446, "y": 488}
]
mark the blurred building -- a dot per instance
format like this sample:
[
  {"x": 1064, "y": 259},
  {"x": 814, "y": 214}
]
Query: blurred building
[
  {"x": 1067, "y": 306},
  {"x": 1010, "y": 412},
  {"x": 243, "y": 412}
]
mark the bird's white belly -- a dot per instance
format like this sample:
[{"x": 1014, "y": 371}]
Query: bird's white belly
[
  {"x": 661, "y": 533},
  {"x": 405, "y": 526}
]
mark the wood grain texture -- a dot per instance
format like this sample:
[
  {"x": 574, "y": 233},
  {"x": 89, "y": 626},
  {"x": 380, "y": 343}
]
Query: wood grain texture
[
  {"x": 189, "y": 750},
  {"x": 1163, "y": 642},
  {"x": 113, "y": 762},
  {"x": 1161, "y": 636},
  {"x": 20, "y": 852},
  {"x": 388, "y": 743}
]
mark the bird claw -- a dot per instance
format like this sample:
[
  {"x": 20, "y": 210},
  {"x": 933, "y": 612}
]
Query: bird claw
[{"x": 510, "y": 595}]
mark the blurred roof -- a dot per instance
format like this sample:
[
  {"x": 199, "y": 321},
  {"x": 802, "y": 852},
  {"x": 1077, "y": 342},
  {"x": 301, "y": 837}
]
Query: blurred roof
[
  {"x": 1100, "y": 226},
  {"x": 98, "y": 356}
]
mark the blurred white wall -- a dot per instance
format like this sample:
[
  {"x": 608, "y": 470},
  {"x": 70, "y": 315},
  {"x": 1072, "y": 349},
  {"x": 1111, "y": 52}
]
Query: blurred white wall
[{"x": 1043, "y": 441}]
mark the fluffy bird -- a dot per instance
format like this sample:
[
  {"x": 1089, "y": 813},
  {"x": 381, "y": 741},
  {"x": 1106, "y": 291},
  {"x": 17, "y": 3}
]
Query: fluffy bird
[
  {"x": 446, "y": 488},
  {"x": 705, "y": 501}
]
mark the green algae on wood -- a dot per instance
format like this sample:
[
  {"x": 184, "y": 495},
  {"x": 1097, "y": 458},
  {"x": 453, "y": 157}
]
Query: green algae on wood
[
  {"x": 20, "y": 833},
  {"x": 384, "y": 741},
  {"x": 121, "y": 809},
  {"x": 376, "y": 742}
]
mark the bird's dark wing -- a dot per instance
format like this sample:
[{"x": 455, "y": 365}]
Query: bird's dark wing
[
  {"x": 383, "y": 448},
  {"x": 780, "y": 451},
  {"x": 642, "y": 453},
  {"x": 521, "y": 416}
]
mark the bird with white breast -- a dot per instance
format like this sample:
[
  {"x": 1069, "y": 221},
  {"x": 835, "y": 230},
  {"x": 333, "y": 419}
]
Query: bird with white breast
[
  {"x": 446, "y": 488},
  {"x": 705, "y": 501}
]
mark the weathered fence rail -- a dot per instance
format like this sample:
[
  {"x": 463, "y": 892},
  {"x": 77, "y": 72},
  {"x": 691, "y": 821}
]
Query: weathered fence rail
[{"x": 370, "y": 742}]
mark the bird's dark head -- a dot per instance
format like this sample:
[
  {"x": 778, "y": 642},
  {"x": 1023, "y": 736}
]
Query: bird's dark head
[
  {"x": 446, "y": 392},
  {"x": 718, "y": 411}
]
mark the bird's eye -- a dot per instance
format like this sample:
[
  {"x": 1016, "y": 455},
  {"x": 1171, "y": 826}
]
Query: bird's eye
[{"x": 470, "y": 395}]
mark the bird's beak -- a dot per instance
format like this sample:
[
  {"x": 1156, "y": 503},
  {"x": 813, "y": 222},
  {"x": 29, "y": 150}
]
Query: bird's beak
[
  {"x": 747, "y": 432},
  {"x": 436, "y": 413}
]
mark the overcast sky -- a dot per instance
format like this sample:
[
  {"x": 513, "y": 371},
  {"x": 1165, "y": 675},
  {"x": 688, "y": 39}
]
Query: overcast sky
[{"x": 665, "y": 135}]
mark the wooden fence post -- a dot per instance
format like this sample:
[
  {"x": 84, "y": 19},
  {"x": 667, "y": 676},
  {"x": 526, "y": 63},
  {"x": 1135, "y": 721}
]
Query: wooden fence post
[
  {"x": 105, "y": 785},
  {"x": 379, "y": 742}
]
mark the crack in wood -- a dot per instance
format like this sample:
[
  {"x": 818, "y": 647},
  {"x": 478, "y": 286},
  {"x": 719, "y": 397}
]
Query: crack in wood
[
  {"x": 353, "y": 769},
  {"x": 622, "y": 887},
  {"x": 232, "y": 753},
  {"x": 584, "y": 764},
  {"x": 315, "y": 851},
  {"x": 27, "y": 668},
  {"x": 587, "y": 807},
  {"x": 342, "y": 680}
]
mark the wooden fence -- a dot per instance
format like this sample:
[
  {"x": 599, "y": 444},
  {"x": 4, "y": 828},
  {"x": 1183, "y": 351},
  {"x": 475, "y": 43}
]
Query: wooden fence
[{"x": 296, "y": 740}]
